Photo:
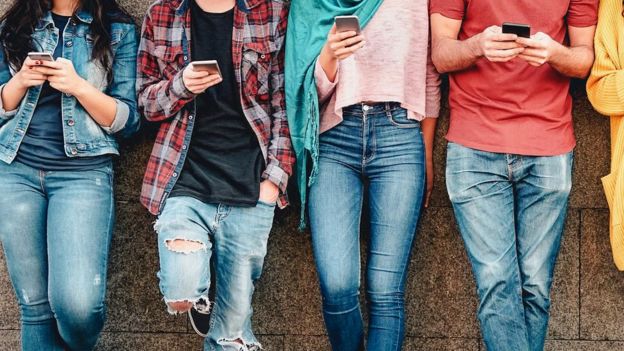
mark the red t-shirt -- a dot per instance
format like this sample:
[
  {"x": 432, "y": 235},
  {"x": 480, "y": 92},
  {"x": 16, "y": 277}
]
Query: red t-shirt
[{"x": 514, "y": 107}]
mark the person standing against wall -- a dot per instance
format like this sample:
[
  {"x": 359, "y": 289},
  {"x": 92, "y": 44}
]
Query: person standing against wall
[
  {"x": 379, "y": 96},
  {"x": 605, "y": 90},
  {"x": 509, "y": 157},
  {"x": 60, "y": 113},
  {"x": 222, "y": 156}
]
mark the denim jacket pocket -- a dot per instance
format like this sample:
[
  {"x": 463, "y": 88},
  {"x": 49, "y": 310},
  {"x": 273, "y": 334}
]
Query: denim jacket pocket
[{"x": 256, "y": 68}]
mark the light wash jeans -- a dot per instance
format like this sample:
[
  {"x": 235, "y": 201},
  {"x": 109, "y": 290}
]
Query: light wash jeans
[
  {"x": 511, "y": 211},
  {"x": 376, "y": 152},
  {"x": 236, "y": 239},
  {"x": 56, "y": 229}
]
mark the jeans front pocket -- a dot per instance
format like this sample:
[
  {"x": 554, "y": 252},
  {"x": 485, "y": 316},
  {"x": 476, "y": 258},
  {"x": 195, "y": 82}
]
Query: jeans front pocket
[{"x": 398, "y": 117}]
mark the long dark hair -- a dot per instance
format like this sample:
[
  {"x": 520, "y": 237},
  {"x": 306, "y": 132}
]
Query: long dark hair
[{"x": 24, "y": 15}]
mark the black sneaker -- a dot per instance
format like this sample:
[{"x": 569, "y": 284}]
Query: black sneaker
[{"x": 199, "y": 315}]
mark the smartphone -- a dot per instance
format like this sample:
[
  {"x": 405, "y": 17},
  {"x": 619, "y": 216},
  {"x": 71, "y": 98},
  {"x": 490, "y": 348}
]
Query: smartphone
[
  {"x": 521, "y": 30},
  {"x": 40, "y": 56},
  {"x": 348, "y": 24},
  {"x": 210, "y": 66}
]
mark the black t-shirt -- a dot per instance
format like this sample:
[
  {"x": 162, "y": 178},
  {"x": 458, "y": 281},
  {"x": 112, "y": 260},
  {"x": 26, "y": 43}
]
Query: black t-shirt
[{"x": 224, "y": 163}]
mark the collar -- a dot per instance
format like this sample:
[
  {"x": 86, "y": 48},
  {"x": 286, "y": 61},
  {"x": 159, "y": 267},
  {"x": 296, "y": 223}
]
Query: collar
[
  {"x": 81, "y": 15},
  {"x": 245, "y": 5}
]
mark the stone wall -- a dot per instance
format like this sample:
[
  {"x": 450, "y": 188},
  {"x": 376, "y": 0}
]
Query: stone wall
[{"x": 587, "y": 310}]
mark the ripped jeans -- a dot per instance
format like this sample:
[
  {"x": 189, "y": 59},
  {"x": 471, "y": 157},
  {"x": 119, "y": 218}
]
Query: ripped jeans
[
  {"x": 236, "y": 239},
  {"x": 56, "y": 229}
]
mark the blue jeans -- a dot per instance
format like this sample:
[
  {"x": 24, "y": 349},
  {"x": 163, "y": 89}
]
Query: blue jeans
[
  {"x": 56, "y": 229},
  {"x": 511, "y": 211},
  {"x": 237, "y": 236},
  {"x": 375, "y": 152}
]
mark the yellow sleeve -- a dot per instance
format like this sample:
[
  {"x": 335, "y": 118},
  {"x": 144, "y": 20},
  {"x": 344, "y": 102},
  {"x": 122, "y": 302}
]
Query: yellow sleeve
[{"x": 605, "y": 87}]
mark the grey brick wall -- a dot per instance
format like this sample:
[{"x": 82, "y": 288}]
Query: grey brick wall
[{"x": 587, "y": 310}]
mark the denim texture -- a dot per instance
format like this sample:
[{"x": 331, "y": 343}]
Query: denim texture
[
  {"x": 234, "y": 240},
  {"x": 375, "y": 153},
  {"x": 511, "y": 211},
  {"x": 56, "y": 230},
  {"x": 83, "y": 136}
]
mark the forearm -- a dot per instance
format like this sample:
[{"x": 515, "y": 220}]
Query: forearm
[
  {"x": 101, "y": 107},
  {"x": 12, "y": 95},
  {"x": 428, "y": 126},
  {"x": 574, "y": 62},
  {"x": 451, "y": 55}
]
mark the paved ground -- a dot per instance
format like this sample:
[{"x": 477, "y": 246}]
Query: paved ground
[{"x": 587, "y": 311}]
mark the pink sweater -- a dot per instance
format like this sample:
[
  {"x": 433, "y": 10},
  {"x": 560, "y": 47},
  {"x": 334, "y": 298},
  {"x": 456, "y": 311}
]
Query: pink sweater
[{"x": 394, "y": 66}]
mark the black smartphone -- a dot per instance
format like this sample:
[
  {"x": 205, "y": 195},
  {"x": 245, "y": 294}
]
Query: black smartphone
[{"x": 521, "y": 30}]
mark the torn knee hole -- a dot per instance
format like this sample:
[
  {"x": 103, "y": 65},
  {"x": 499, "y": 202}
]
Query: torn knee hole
[
  {"x": 180, "y": 306},
  {"x": 185, "y": 246}
]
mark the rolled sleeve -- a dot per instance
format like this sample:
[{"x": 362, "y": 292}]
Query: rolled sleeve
[
  {"x": 277, "y": 176},
  {"x": 179, "y": 89},
  {"x": 5, "y": 115},
  {"x": 121, "y": 118},
  {"x": 324, "y": 86}
]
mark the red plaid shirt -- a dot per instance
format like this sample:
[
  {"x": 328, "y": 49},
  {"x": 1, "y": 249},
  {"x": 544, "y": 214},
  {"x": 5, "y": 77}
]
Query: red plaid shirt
[{"x": 258, "y": 56}]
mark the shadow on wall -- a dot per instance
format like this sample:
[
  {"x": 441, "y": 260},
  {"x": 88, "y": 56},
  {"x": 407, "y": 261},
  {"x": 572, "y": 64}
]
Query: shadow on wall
[{"x": 441, "y": 301}]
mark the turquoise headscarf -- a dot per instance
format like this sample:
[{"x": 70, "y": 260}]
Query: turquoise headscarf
[{"x": 308, "y": 26}]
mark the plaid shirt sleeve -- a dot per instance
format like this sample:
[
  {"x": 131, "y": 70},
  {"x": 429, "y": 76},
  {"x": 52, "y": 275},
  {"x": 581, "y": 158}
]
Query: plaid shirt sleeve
[
  {"x": 159, "y": 97},
  {"x": 280, "y": 154}
]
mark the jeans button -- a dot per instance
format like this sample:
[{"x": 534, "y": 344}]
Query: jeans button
[
  {"x": 69, "y": 43},
  {"x": 73, "y": 151},
  {"x": 71, "y": 122},
  {"x": 175, "y": 175},
  {"x": 190, "y": 117}
]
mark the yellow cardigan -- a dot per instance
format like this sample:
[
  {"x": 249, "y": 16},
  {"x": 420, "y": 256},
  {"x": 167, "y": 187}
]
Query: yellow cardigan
[{"x": 605, "y": 89}]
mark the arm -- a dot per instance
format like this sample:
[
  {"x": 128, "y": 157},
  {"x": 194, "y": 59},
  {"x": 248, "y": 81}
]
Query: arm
[
  {"x": 158, "y": 98},
  {"x": 429, "y": 129},
  {"x": 281, "y": 156},
  {"x": 574, "y": 61},
  {"x": 449, "y": 54},
  {"x": 429, "y": 124},
  {"x": 13, "y": 89},
  {"x": 324, "y": 87},
  {"x": 122, "y": 88},
  {"x": 605, "y": 87},
  {"x": 112, "y": 110}
]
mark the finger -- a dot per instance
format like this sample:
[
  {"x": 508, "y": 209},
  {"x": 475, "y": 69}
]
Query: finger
[
  {"x": 28, "y": 62},
  {"x": 36, "y": 76},
  {"x": 205, "y": 82},
  {"x": 351, "y": 41},
  {"x": 345, "y": 52},
  {"x": 428, "y": 198},
  {"x": 505, "y": 53},
  {"x": 333, "y": 29},
  {"x": 532, "y": 60},
  {"x": 531, "y": 43},
  {"x": 540, "y": 54},
  {"x": 494, "y": 29},
  {"x": 45, "y": 70},
  {"x": 504, "y": 37},
  {"x": 344, "y": 35},
  {"x": 52, "y": 64},
  {"x": 505, "y": 45},
  {"x": 193, "y": 74}
]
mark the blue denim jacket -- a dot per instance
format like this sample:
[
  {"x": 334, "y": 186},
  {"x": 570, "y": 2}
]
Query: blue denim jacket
[{"x": 83, "y": 136}]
